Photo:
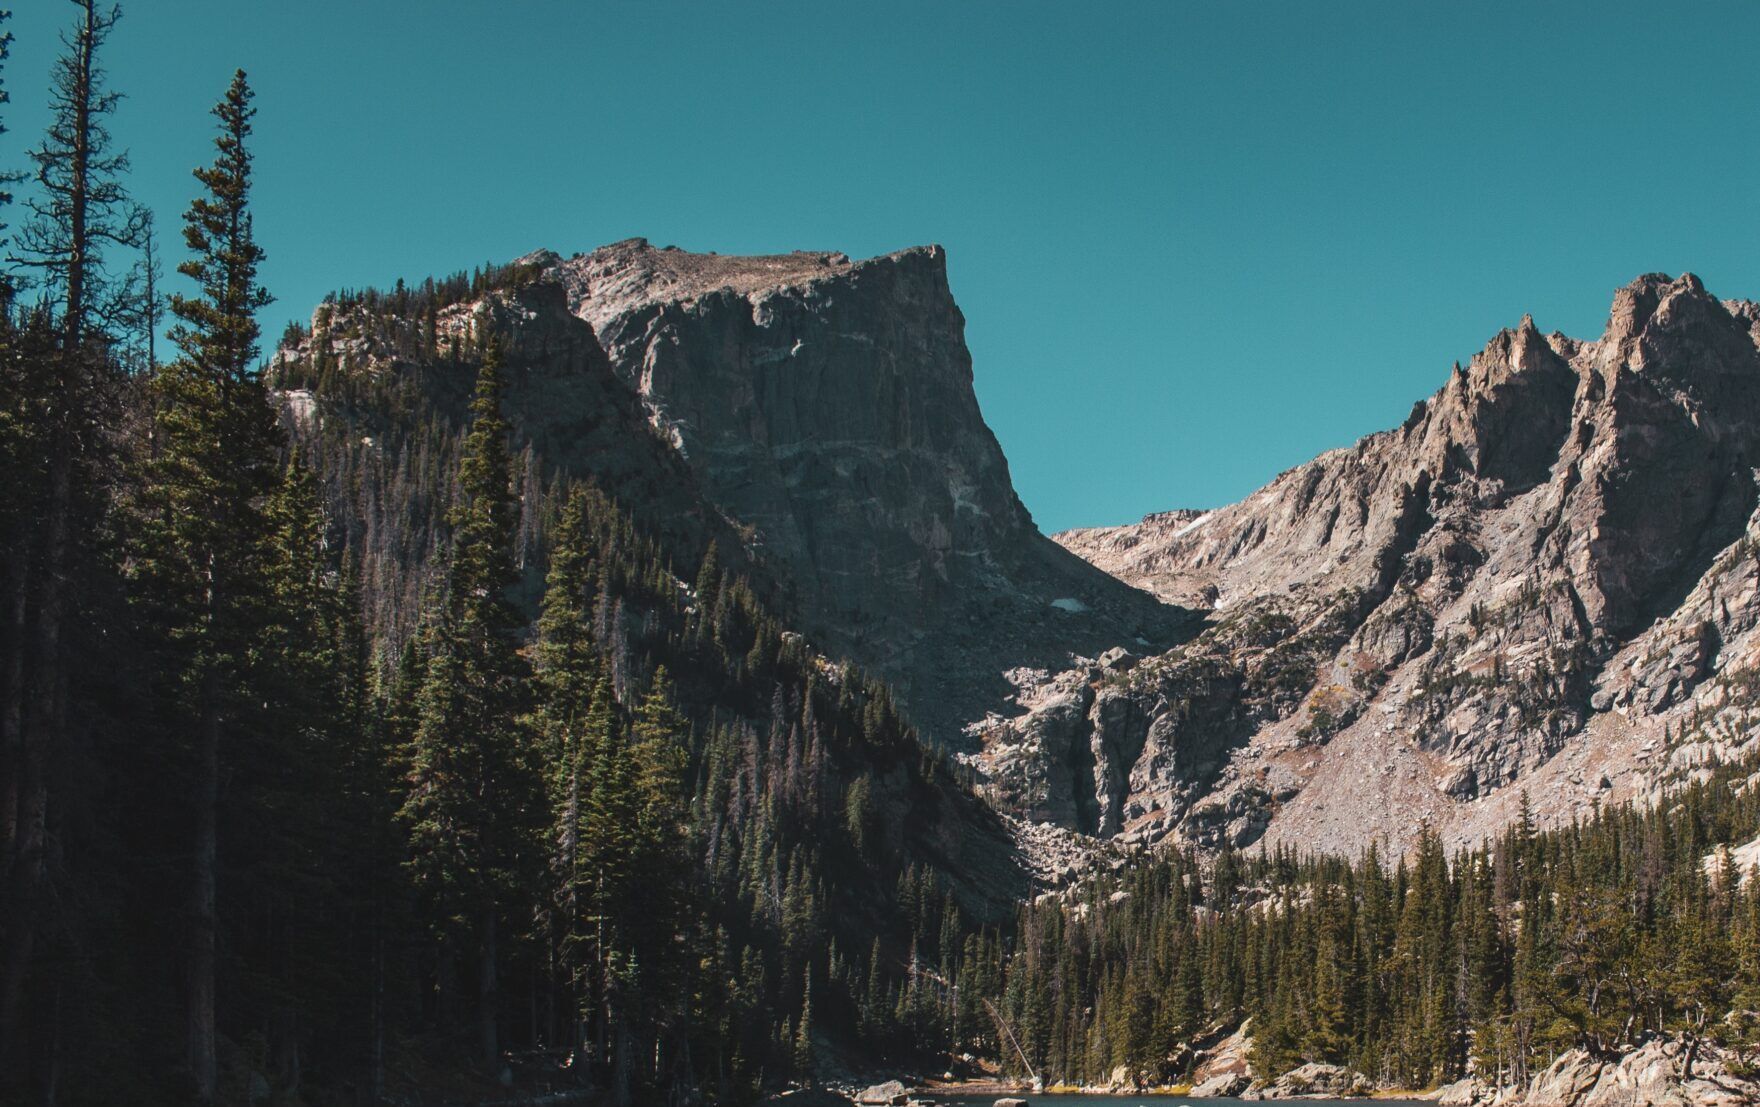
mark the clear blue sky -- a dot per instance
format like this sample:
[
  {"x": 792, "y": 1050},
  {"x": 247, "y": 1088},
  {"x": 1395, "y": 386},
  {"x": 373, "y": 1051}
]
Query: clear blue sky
[{"x": 1195, "y": 243}]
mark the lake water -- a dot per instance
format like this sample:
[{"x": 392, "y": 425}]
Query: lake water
[{"x": 1134, "y": 1099}]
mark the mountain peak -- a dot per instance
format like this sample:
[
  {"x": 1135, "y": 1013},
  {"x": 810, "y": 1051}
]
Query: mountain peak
[
  {"x": 1547, "y": 564},
  {"x": 1673, "y": 330}
]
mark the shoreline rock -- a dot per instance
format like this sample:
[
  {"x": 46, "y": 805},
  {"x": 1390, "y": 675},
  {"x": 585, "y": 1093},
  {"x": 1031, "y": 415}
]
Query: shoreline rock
[{"x": 1650, "y": 1075}]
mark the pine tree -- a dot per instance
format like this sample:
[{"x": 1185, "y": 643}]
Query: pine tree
[
  {"x": 8, "y": 177},
  {"x": 803, "y": 1036},
  {"x": 473, "y": 793},
  {"x": 80, "y": 207},
  {"x": 574, "y": 722},
  {"x": 60, "y": 385},
  {"x": 205, "y": 537}
]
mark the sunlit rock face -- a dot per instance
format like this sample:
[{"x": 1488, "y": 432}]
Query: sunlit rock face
[{"x": 1544, "y": 580}]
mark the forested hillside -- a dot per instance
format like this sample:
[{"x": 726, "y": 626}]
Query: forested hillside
[{"x": 340, "y": 773}]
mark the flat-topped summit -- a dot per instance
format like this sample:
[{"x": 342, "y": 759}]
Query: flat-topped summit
[
  {"x": 827, "y": 405},
  {"x": 612, "y": 279}
]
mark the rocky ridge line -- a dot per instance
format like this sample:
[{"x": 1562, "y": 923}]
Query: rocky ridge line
[{"x": 1544, "y": 580}]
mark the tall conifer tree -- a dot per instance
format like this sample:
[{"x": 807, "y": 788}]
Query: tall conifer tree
[
  {"x": 473, "y": 793},
  {"x": 206, "y": 537}
]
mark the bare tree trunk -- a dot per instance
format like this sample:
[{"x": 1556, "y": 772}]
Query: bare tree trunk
[
  {"x": 203, "y": 1063},
  {"x": 14, "y": 912},
  {"x": 620, "y": 1074},
  {"x": 12, "y": 634},
  {"x": 23, "y": 887},
  {"x": 41, "y": 705},
  {"x": 41, "y": 726},
  {"x": 48, "y": 1074},
  {"x": 73, "y": 318},
  {"x": 376, "y": 1078},
  {"x": 446, "y": 997},
  {"x": 488, "y": 999}
]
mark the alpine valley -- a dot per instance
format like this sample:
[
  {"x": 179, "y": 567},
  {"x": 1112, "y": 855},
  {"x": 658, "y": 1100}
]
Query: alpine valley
[
  {"x": 631, "y": 678},
  {"x": 1533, "y": 602}
]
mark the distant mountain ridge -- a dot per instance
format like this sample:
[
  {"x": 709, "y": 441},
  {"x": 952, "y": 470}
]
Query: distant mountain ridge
[{"x": 1544, "y": 580}]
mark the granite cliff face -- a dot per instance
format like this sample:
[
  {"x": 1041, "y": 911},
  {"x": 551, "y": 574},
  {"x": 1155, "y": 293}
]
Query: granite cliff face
[
  {"x": 1544, "y": 580},
  {"x": 826, "y": 405}
]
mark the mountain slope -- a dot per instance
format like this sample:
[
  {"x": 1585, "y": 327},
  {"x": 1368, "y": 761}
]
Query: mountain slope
[
  {"x": 374, "y": 397},
  {"x": 827, "y": 406},
  {"x": 1542, "y": 581}
]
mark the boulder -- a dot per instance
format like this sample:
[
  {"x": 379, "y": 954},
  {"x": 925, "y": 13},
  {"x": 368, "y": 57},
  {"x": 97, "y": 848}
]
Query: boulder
[
  {"x": 1221, "y": 1085},
  {"x": 1118, "y": 660},
  {"x": 883, "y": 1095},
  {"x": 807, "y": 1097},
  {"x": 1010, "y": 1102},
  {"x": 1321, "y": 1080},
  {"x": 1463, "y": 1093},
  {"x": 1566, "y": 1081}
]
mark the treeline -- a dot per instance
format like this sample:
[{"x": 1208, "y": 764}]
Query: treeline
[
  {"x": 1591, "y": 936},
  {"x": 254, "y": 849}
]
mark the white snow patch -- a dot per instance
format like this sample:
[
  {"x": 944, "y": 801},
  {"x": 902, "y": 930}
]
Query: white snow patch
[
  {"x": 1193, "y": 525},
  {"x": 1070, "y": 604}
]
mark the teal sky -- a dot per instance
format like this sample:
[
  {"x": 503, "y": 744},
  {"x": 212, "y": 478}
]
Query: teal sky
[{"x": 1195, "y": 243}]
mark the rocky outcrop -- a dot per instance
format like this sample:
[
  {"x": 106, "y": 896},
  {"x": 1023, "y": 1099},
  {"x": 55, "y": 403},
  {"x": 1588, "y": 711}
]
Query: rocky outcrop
[
  {"x": 1464, "y": 1093},
  {"x": 1225, "y": 1068},
  {"x": 1315, "y": 1079},
  {"x": 1545, "y": 575},
  {"x": 827, "y": 406},
  {"x": 883, "y": 1095},
  {"x": 1222, "y": 1085},
  {"x": 1653, "y": 1074}
]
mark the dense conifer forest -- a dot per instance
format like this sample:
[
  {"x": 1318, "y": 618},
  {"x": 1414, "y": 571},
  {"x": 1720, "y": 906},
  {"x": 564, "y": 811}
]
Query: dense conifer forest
[
  {"x": 536, "y": 786},
  {"x": 1413, "y": 970},
  {"x": 646, "y": 841}
]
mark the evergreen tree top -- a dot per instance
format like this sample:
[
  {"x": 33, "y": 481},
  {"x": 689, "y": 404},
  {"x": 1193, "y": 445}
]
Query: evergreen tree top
[{"x": 219, "y": 330}]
